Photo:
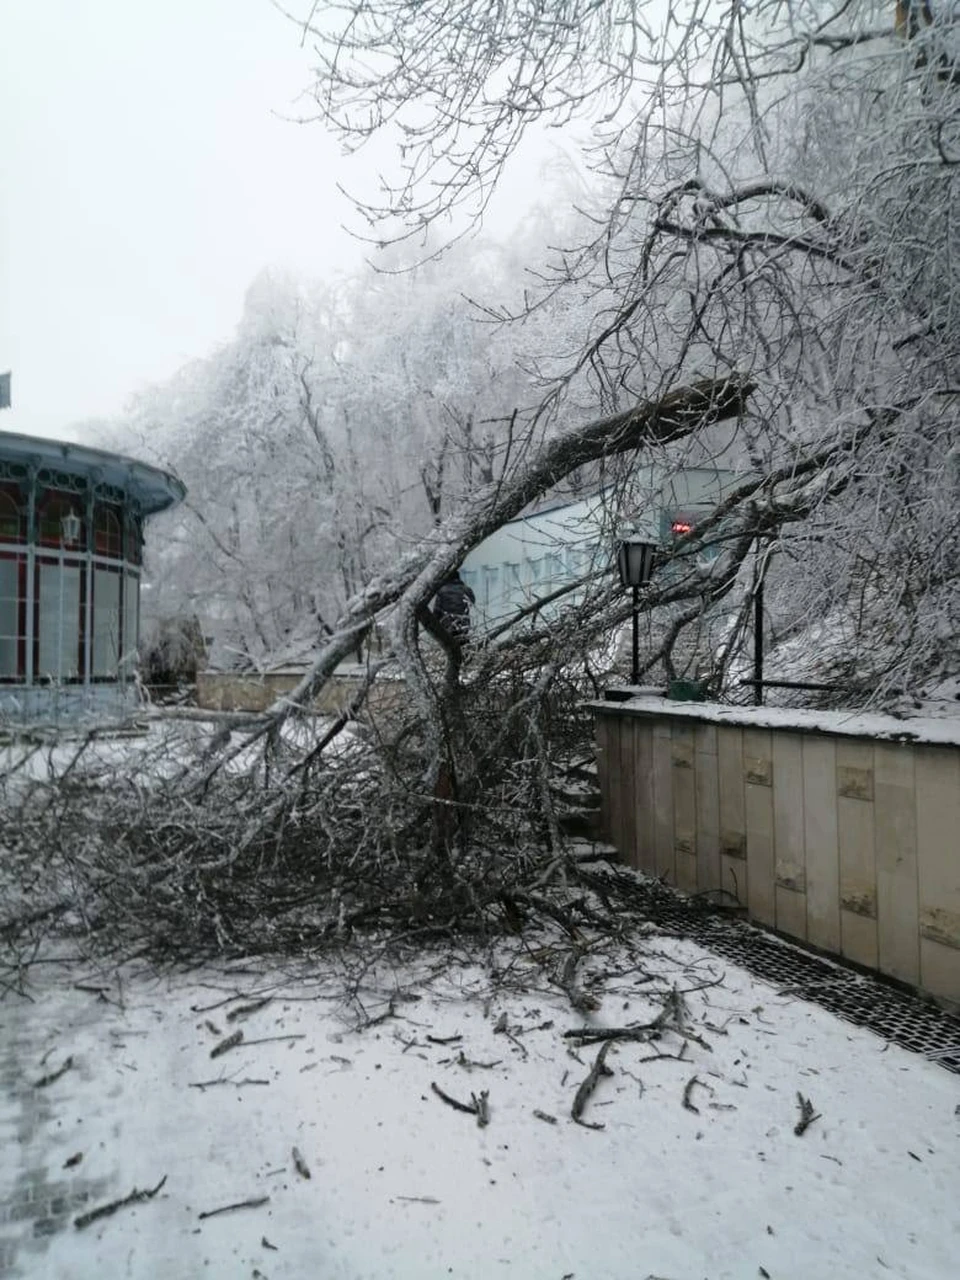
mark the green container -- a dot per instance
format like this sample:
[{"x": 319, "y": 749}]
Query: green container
[{"x": 687, "y": 690}]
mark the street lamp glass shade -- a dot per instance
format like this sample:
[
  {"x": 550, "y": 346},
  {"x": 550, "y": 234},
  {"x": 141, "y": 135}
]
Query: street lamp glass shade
[
  {"x": 70, "y": 528},
  {"x": 635, "y": 562}
]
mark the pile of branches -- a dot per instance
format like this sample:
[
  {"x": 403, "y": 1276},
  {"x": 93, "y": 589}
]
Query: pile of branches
[{"x": 183, "y": 851}]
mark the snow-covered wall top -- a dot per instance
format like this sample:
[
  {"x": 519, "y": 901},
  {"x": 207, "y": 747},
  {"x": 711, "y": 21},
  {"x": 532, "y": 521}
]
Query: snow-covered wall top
[{"x": 852, "y": 724}]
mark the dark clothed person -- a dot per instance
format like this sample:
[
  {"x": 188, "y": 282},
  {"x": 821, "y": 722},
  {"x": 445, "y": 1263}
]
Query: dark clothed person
[{"x": 451, "y": 607}]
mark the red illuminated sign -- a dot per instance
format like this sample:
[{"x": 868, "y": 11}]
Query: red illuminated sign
[{"x": 680, "y": 527}]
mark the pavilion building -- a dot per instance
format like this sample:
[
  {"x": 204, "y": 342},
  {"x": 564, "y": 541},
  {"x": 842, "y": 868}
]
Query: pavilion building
[{"x": 71, "y": 557}]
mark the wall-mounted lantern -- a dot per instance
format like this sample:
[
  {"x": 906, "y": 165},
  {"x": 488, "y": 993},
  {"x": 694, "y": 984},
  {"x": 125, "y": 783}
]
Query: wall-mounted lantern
[{"x": 70, "y": 528}]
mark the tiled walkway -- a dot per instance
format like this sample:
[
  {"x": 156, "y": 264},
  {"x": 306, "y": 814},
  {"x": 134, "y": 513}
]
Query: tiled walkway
[{"x": 41, "y": 1189}]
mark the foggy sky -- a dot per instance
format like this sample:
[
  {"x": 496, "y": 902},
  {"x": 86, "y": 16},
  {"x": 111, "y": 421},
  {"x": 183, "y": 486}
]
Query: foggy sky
[{"x": 145, "y": 182}]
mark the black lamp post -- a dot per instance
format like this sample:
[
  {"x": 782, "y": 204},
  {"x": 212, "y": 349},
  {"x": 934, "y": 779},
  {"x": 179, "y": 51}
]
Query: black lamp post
[{"x": 635, "y": 560}]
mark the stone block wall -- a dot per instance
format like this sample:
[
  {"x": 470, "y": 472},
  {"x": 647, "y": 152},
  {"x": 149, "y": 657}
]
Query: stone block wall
[{"x": 229, "y": 691}]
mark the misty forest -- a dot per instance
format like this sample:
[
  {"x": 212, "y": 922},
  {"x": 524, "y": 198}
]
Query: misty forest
[{"x": 741, "y": 256}]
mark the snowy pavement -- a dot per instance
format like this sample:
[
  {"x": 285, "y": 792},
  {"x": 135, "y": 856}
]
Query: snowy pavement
[{"x": 684, "y": 1181}]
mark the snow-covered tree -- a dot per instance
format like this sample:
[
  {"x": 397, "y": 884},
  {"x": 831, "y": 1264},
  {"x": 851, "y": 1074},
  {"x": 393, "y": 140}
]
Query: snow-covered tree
[{"x": 774, "y": 194}]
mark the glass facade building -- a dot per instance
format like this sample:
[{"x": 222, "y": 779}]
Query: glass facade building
[{"x": 71, "y": 554}]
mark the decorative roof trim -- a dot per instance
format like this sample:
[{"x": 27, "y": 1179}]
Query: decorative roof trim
[{"x": 151, "y": 488}]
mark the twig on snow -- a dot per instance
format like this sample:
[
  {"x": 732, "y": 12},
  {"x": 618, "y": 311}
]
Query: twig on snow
[
  {"x": 469, "y": 1063},
  {"x": 596, "y": 1035},
  {"x": 54, "y": 1075},
  {"x": 224, "y": 1046},
  {"x": 581, "y": 1000},
  {"x": 807, "y": 1115},
  {"x": 502, "y": 1029},
  {"x": 688, "y": 1091},
  {"x": 598, "y": 1069},
  {"x": 244, "y": 1010},
  {"x": 300, "y": 1164},
  {"x": 229, "y": 1208},
  {"x": 545, "y": 1116},
  {"x": 297, "y": 1035},
  {"x": 482, "y": 1108},
  {"x": 104, "y": 1211},
  {"x": 237, "y": 1084},
  {"x": 478, "y": 1106},
  {"x": 675, "y": 1057}
]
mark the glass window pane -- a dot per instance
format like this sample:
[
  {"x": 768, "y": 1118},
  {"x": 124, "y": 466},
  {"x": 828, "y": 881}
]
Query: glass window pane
[
  {"x": 108, "y": 540},
  {"x": 131, "y": 618},
  {"x": 106, "y": 622},
  {"x": 9, "y": 617},
  {"x": 59, "y": 622}
]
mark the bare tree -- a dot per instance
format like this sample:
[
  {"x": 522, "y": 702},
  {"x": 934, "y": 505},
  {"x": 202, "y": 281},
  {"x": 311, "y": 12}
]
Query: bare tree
[{"x": 774, "y": 193}]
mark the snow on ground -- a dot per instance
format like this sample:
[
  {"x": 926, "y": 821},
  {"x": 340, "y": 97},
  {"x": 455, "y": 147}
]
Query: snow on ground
[
  {"x": 158, "y": 748},
  {"x": 402, "y": 1185}
]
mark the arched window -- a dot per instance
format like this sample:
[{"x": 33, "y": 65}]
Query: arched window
[
  {"x": 11, "y": 519},
  {"x": 107, "y": 533},
  {"x": 134, "y": 538}
]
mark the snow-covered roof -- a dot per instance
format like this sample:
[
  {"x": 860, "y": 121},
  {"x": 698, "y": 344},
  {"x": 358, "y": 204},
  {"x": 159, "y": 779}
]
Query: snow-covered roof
[
  {"x": 151, "y": 488},
  {"x": 855, "y": 724}
]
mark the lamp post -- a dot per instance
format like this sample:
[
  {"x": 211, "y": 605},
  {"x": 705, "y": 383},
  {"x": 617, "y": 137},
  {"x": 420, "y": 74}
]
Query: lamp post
[{"x": 635, "y": 560}]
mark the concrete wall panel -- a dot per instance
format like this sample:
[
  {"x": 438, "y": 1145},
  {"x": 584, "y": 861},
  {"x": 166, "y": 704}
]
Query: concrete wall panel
[{"x": 851, "y": 844}]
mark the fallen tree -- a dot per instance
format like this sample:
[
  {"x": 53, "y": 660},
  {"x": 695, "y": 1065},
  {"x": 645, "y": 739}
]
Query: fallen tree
[{"x": 277, "y": 836}]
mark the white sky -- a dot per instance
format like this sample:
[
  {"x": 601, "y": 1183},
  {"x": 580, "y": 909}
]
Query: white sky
[{"x": 146, "y": 179}]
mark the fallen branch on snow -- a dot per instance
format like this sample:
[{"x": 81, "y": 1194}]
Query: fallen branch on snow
[
  {"x": 478, "y": 1106},
  {"x": 241, "y": 1204},
  {"x": 135, "y": 1196},
  {"x": 244, "y": 1010},
  {"x": 688, "y": 1093},
  {"x": 224, "y": 1046},
  {"x": 598, "y": 1069},
  {"x": 54, "y": 1075},
  {"x": 208, "y": 1084},
  {"x": 807, "y": 1115}
]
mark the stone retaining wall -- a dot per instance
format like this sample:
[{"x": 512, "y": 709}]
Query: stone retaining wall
[{"x": 228, "y": 691}]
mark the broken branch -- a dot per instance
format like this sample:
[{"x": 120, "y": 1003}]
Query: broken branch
[
  {"x": 229, "y": 1208},
  {"x": 470, "y": 1108},
  {"x": 688, "y": 1091},
  {"x": 598, "y": 1069},
  {"x": 54, "y": 1075},
  {"x": 807, "y": 1115},
  {"x": 231, "y": 1042},
  {"x": 244, "y": 1010},
  {"x": 105, "y": 1210}
]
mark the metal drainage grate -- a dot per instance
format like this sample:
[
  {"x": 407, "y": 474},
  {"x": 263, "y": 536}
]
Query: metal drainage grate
[{"x": 897, "y": 1015}]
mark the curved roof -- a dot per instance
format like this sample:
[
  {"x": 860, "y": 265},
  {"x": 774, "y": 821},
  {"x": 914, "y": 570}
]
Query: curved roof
[{"x": 151, "y": 488}]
